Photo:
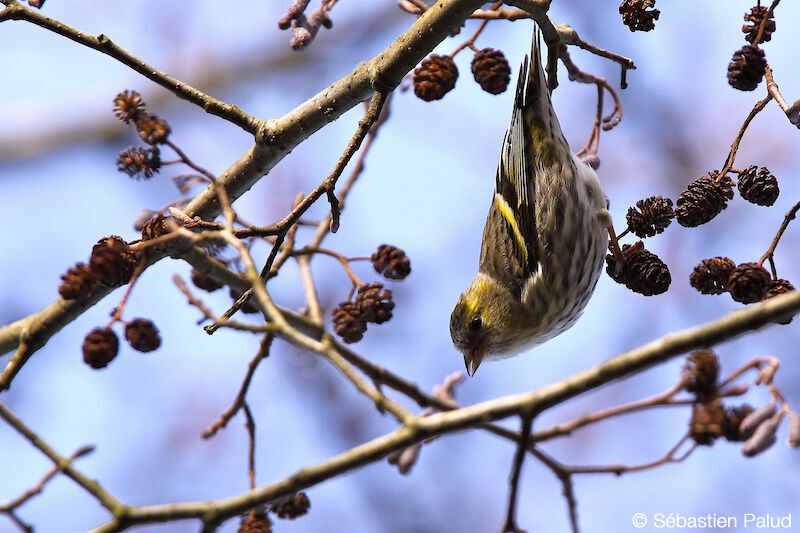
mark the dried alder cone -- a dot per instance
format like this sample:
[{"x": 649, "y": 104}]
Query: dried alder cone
[
  {"x": 348, "y": 322},
  {"x": 748, "y": 283},
  {"x": 710, "y": 276},
  {"x": 391, "y": 262},
  {"x": 703, "y": 199},
  {"x": 159, "y": 226},
  {"x": 152, "y": 129},
  {"x": 758, "y": 186},
  {"x": 746, "y": 69},
  {"x": 128, "y": 106},
  {"x": 708, "y": 422},
  {"x": 653, "y": 216},
  {"x": 435, "y": 77},
  {"x": 701, "y": 372},
  {"x": 139, "y": 162},
  {"x": 256, "y": 521},
  {"x": 100, "y": 347},
  {"x": 491, "y": 70},
  {"x": 113, "y": 261},
  {"x": 292, "y": 507},
  {"x": 373, "y": 304},
  {"x": 777, "y": 287},
  {"x": 711, "y": 420},
  {"x": 637, "y": 15},
  {"x": 142, "y": 335},
  {"x": 641, "y": 271},
  {"x": 77, "y": 282},
  {"x": 756, "y": 15}
]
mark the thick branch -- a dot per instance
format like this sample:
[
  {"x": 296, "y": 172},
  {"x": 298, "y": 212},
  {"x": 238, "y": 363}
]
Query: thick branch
[{"x": 425, "y": 427}]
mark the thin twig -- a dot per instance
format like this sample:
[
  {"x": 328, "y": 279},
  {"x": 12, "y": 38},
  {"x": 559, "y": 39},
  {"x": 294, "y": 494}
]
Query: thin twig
[
  {"x": 239, "y": 401},
  {"x": 326, "y": 187},
  {"x": 610, "y": 121},
  {"x": 519, "y": 458},
  {"x": 670, "y": 457},
  {"x": 209, "y": 314},
  {"x": 101, "y": 43},
  {"x": 471, "y": 41},
  {"x": 771, "y": 250},
  {"x": 9, "y": 506},
  {"x": 345, "y": 262},
  {"x": 735, "y": 146},
  {"x": 566, "y": 428},
  {"x": 329, "y": 183},
  {"x": 309, "y": 286},
  {"x": 567, "y": 489},
  {"x": 105, "y": 498},
  {"x": 250, "y": 425},
  {"x": 118, "y": 311},
  {"x": 570, "y": 36}
]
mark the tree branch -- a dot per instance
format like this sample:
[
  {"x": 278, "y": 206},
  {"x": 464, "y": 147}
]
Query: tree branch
[
  {"x": 101, "y": 43},
  {"x": 424, "y": 427}
]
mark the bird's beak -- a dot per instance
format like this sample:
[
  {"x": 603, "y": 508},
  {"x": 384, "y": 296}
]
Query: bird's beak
[{"x": 474, "y": 358}]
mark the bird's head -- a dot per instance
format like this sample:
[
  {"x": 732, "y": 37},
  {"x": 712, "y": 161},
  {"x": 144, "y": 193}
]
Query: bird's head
[{"x": 485, "y": 321}]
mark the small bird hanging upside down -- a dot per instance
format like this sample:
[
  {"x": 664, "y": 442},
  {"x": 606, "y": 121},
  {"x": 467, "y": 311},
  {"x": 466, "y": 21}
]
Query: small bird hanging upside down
[{"x": 545, "y": 236}]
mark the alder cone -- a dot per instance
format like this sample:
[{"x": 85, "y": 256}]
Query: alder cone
[
  {"x": 650, "y": 217},
  {"x": 142, "y": 335},
  {"x": 491, "y": 70},
  {"x": 391, "y": 262},
  {"x": 748, "y": 283},
  {"x": 703, "y": 199},
  {"x": 746, "y": 69},
  {"x": 349, "y": 322},
  {"x": 756, "y": 15},
  {"x": 113, "y": 261},
  {"x": 77, "y": 282},
  {"x": 100, "y": 347},
  {"x": 435, "y": 77},
  {"x": 641, "y": 271},
  {"x": 710, "y": 276},
  {"x": 637, "y": 15},
  {"x": 758, "y": 186}
]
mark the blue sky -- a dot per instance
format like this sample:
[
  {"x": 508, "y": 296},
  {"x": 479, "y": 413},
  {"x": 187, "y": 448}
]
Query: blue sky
[{"x": 426, "y": 188}]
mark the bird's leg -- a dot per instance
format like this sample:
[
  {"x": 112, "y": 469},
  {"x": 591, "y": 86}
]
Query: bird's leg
[{"x": 613, "y": 244}]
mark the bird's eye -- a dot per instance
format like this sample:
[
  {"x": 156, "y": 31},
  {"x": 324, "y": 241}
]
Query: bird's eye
[{"x": 475, "y": 324}]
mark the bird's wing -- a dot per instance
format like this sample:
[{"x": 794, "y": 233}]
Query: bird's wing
[{"x": 533, "y": 149}]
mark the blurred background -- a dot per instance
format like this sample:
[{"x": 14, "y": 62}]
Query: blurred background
[{"x": 426, "y": 189}]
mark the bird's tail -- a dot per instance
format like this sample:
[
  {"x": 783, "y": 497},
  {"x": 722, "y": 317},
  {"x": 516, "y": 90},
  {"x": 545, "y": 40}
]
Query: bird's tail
[{"x": 533, "y": 98}]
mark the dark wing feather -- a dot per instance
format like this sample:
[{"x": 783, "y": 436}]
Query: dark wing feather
[{"x": 515, "y": 182}]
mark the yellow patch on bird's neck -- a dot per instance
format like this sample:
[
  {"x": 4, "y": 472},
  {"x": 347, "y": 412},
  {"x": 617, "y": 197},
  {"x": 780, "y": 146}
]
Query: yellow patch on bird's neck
[{"x": 508, "y": 214}]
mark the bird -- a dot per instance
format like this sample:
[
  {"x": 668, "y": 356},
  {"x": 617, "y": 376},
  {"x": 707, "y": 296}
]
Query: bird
[{"x": 545, "y": 237}]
